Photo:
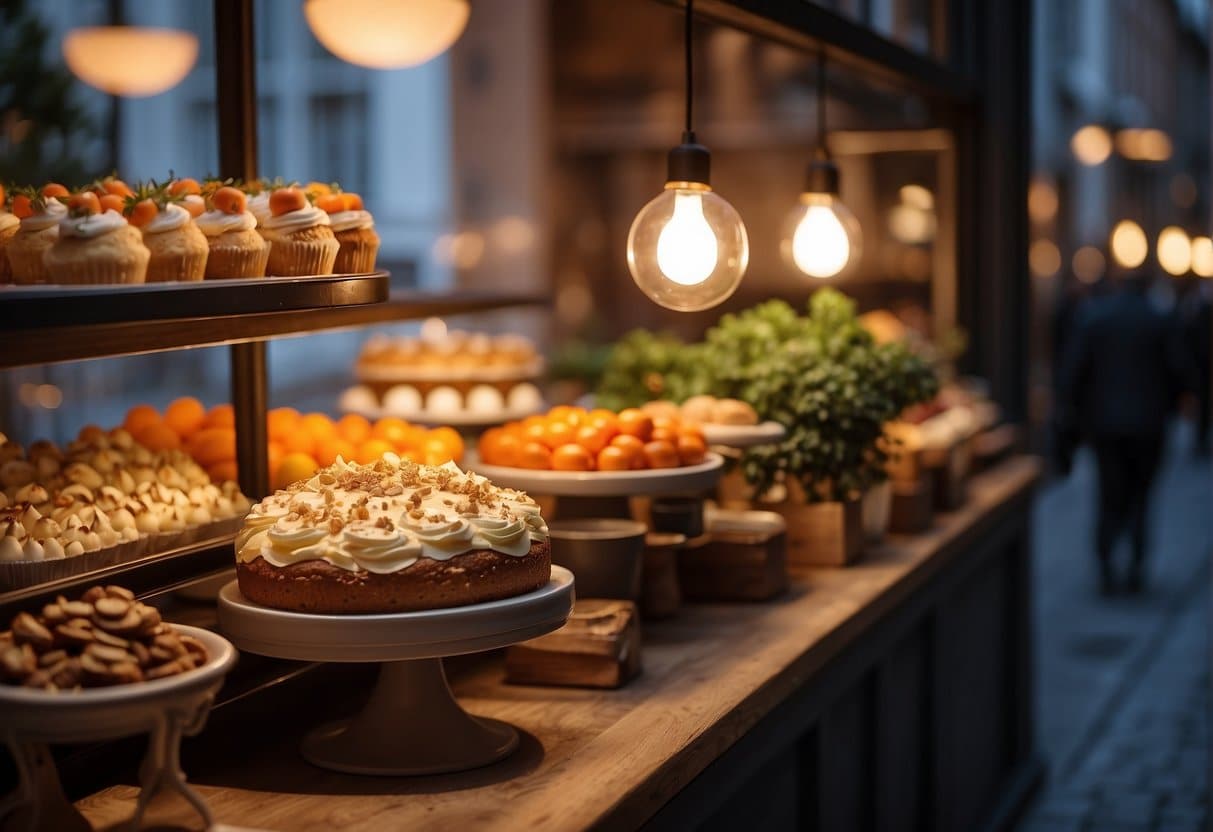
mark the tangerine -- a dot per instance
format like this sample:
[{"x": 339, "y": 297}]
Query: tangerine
[
  {"x": 140, "y": 416},
  {"x": 281, "y": 421},
  {"x": 354, "y": 427},
  {"x": 615, "y": 458},
  {"x": 220, "y": 416},
  {"x": 450, "y": 438},
  {"x": 185, "y": 415},
  {"x": 222, "y": 472},
  {"x": 211, "y": 445},
  {"x": 661, "y": 454},
  {"x": 294, "y": 467},
  {"x": 372, "y": 450},
  {"x": 331, "y": 447},
  {"x": 572, "y": 457},
  {"x": 635, "y": 422},
  {"x": 157, "y": 437},
  {"x": 535, "y": 456}
]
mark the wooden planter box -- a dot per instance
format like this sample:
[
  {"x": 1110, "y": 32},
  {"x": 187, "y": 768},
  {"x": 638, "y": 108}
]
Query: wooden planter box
[
  {"x": 742, "y": 558},
  {"x": 820, "y": 534},
  {"x": 913, "y": 507}
]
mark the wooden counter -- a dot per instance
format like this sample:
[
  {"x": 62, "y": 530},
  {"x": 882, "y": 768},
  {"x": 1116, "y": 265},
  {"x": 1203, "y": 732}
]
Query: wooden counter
[{"x": 891, "y": 694}]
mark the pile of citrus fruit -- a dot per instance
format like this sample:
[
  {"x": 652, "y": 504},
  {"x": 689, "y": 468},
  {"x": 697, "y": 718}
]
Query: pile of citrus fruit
[
  {"x": 575, "y": 439},
  {"x": 298, "y": 443}
]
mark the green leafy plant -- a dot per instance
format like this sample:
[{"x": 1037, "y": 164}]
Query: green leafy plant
[{"x": 821, "y": 375}]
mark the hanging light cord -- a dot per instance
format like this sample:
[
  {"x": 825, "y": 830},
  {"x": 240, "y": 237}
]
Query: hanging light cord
[
  {"x": 821, "y": 103},
  {"x": 690, "y": 97}
]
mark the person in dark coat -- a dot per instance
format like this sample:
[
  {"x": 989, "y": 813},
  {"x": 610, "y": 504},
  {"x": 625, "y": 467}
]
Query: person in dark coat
[{"x": 1122, "y": 372}]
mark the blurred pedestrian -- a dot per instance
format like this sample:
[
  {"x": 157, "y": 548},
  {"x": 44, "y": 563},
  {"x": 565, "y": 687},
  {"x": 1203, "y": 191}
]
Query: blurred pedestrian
[{"x": 1120, "y": 377}]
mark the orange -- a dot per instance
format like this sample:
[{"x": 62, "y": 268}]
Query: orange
[
  {"x": 593, "y": 439},
  {"x": 500, "y": 449},
  {"x": 90, "y": 433},
  {"x": 691, "y": 449},
  {"x": 274, "y": 454},
  {"x": 140, "y": 416},
  {"x": 489, "y": 443},
  {"x": 562, "y": 413},
  {"x": 435, "y": 452},
  {"x": 572, "y": 458},
  {"x": 535, "y": 432},
  {"x": 614, "y": 458},
  {"x": 409, "y": 456},
  {"x": 223, "y": 471},
  {"x": 220, "y": 416},
  {"x": 372, "y": 450},
  {"x": 354, "y": 427},
  {"x": 535, "y": 456},
  {"x": 633, "y": 446},
  {"x": 450, "y": 438},
  {"x": 663, "y": 434},
  {"x": 331, "y": 447},
  {"x": 559, "y": 433},
  {"x": 298, "y": 441},
  {"x": 281, "y": 421},
  {"x": 211, "y": 445},
  {"x": 635, "y": 422},
  {"x": 185, "y": 415},
  {"x": 157, "y": 437},
  {"x": 660, "y": 454},
  {"x": 534, "y": 419},
  {"x": 390, "y": 428},
  {"x": 294, "y": 467},
  {"x": 318, "y": 425}
]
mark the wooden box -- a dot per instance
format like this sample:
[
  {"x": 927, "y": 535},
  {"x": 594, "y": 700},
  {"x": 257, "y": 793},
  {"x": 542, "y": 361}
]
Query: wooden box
[
  {"x": 913, "y": 506},
  {"x": 599, "y": 647},
  {"x": 742, "y": 558},
  {"x": 660, "y": 593},
  {"x": 820, "y": 534}
]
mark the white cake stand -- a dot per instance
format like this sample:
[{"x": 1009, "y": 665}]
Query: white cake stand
[
  {"x": 604, "y": 493},
  {"x": 411, "y": 724},
  {"x": 743, "y": 436},
  {"x": 166, "y": 708}
]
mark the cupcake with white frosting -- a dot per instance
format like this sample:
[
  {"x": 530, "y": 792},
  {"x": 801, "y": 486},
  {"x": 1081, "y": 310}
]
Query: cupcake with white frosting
[
  {"x": 38, "y": 219},
  {"x": 9, "y": 224},
  {"x": 236, "y": 249},
  {"x": 178, "y": 249},
  {"x": 354, "y": 228},
  {"x": 95, "y": 247},
  {"x": 300, "y": 236}
]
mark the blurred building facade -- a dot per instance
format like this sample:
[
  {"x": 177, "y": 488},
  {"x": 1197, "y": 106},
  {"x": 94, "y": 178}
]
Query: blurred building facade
[{"x": 1104, "y": 71}]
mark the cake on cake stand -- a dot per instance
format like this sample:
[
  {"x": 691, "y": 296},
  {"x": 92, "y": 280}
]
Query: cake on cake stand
[{"x": 411, "y": 724}]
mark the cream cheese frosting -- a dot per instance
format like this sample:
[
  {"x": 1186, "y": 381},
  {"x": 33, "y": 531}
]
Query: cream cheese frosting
[
  {"x": 259, "y": 206},
  {"x": 51, "y": 214},
  {"x": 345, "y": 220},
  {"x": 385, "y": 516},
  {"x": 214, "y": 223},
  {"x": 307, "y": 217},
  {"x": 90, "y": 226},
  {"x": 170, "y": 219}
]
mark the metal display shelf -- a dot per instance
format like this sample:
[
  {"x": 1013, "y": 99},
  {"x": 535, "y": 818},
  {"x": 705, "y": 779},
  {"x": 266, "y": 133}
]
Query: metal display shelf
[{"x": 44, "y": 325}]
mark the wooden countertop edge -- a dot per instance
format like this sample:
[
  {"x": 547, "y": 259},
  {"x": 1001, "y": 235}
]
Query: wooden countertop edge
[{"x": 670, "y": 733}]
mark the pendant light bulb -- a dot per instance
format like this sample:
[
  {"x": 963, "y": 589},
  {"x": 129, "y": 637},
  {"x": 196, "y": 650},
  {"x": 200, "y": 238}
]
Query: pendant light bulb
[
  {"x": 822, "y": 236},
  {"x": 688, "y": 248}
]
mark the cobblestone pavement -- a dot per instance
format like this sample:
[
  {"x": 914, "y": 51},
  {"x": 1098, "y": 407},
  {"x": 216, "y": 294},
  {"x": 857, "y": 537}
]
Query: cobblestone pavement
[{"x": 1123, "y": 683}]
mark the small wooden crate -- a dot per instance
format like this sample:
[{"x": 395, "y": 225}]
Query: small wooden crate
[
  {"x": 821, "y": 534},
  {"x": 743, "y": 557},
  {"x": 913, "y": 506},
  {"x": 599, "y": 647}
]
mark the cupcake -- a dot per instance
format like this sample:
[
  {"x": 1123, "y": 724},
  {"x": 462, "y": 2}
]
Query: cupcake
[
  {"x": 258, "y": 192},
  {"x": 178, "y": 248},
  {"x": 300, "y": 237},
  {"x": 9, "y": 224},
  {"x": 96, "y": 246},
  {"x": 38, "y": 229},
  {"x": 190, "y": 194},
  {"x": 354, "y": 229},
  {"x": 237, "y": 250}
]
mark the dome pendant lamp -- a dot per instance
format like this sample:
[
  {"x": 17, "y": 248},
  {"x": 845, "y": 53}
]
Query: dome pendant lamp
[
  {"x": 821, "y": 236},
  {"x": 687, "y": 248}
]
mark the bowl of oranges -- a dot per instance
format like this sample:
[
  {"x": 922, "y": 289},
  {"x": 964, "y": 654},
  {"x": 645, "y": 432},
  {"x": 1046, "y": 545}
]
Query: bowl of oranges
[{"x": 572, "y": 451}]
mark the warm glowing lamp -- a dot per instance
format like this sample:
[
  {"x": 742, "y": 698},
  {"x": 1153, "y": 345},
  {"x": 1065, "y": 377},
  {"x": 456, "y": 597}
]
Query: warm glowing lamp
[
  {"x": 386, "y": 34},
  {"x": 688, "y": 248},
  {"x": 1091, "y": 144},
  {"x": 1202, "y": 256},
  {"x": 821, "y": 237},
  {"x": 131, "y": 61},
  {"x": 1174, "y": 251},
  {"x": 1143, "y": 144},
  {"x": 1129, "y": 244}
]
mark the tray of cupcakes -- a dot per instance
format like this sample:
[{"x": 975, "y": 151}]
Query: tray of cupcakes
[{"x": 180, "y": 243}]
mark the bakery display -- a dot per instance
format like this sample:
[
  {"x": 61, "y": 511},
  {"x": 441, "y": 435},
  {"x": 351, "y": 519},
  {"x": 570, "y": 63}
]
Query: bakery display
[
  {"x": 575, "y": 439},
  {"x": 444, "y": 374},
  {"x": 104, "y": 491},
  {"x": 391, "y": 536},
  {"x": 104, "y": 638},
  {"x": 300, "y": 235}
]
